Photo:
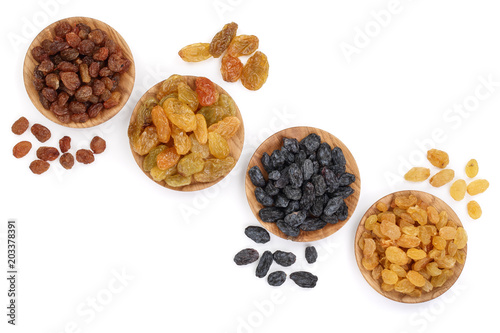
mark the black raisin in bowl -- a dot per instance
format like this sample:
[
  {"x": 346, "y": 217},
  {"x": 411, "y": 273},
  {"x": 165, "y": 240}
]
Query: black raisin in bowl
[{"x": 302, "y": 184}]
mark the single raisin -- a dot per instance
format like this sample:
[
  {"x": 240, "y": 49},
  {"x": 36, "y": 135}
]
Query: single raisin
[
  {"x": 94, "y": 110},
  {"x": 304, "y": 279},
  {"x": 84, "y": 156},
  {"x": 47, "y": 153},
  {"x": 206, "y": 91},
  {"x": 195, "y": 52},
  {"x": 257, "y": 234},
  {"x": 255, "y": 71},
  {"x": 67, "y": 161},
  {"x": 40, "y": 132},
  {"x": 20, "y": 126},
  {"x": 98, "y": 145},
  {"x": 311, "y": 254},
  {"x": 243, "y": 45},
  {"x": 38, "y": 166},
  {"x": 246, "y": 256},
  {"x": 231, "y": 68},
  {"x": 70, "y": 80},
  {"x": 284, "y": 259},
  {"x": 222, "y": 39},
  {"x": 256, "y": 176},
  {"x": 276, "y": 279},
  {"x": 65, "y": 144},
  {"x": 21, "y": 149},
  {"x": 265, "y": 263}
]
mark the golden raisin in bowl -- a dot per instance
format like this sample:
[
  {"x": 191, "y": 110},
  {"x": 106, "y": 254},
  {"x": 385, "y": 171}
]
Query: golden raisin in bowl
[
  {"x": 79, "y": 72},
  {"x": 186, "y": 133},
  {"x": 412, "y": 252}
]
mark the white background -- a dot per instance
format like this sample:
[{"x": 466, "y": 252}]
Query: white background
[{"x": 388, "y": 102}]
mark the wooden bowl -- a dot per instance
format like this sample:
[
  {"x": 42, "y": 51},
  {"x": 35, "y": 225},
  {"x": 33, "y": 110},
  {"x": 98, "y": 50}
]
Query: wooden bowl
[
  {"x": 440, "y": 205},
  {"x": 274, "y": 142},
  {"x": 126, "y": 79},
  {"x": 235, "y": 143}
]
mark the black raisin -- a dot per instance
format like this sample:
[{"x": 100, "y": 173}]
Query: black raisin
[
  {"x": 256, "y": 177},
  {"x": 295, "y": 175},
  {"x": 257, "y": 234},
  {"x": 266, "y": 162},
  {"x": 264, "y": 264},
  {"x": 311, "y": 142},
  {"x": 274, "y": 175},
  {"x": 308, "y": 196},
  {"x": 304, "y": 279},
  {"x": 307, "y": 169},
  {"x": 271, "y": 214},
  {"x": 293, "y": 206},
  {"x": 246, "y": 256},
  {"x": 311, "y": 254},
  {"x": 262, "y": 197},
  {"x": 319, "y": 185},
  {"x": 271, "y": 189},
  {"x": 333, "y": 205},
  {"x": 283, "y": 180},
  {"x": 292, "y": 193},
  {"x": 338, "y": 157},
  {"x": 330, "y": 179},
  {"x": 300, "y": 157},
  {"x": 277, "y": 159},
  {"x": 329, "y": 219},
  {"x": 291, "y": 144},
  {"x": 281, "y": 201},
  {"x": 295, "y": 219},
  {"x": 346, "y": 179},
  {"x": 344, "y": 191},
  {"x": 317, "y": 208},
  {"x": 276, "y": 279},
  {"x": 312, "y": 224},
  {"x": 324, "y": 154},
  {"x": 289, "y": 157},
  {"x": 287, "y": 229},
  {"x": 342, "y": 212},
  {"x": 284, "y": 259}
]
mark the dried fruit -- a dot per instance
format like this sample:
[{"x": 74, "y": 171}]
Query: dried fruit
[
  {"x": 457, "y": 189},
  {"x": 167, "y": 158},
  {"x": 311, "y": 254},
  {"x": 65, "y": 144},
  {"x": 178, "y": 180},
  {"x": 472, "y": 168},
  {"x": 187, "y": 96},
  {"x": 21, "y": 149},
  {"x": 38, "y": 166},
  {"x": 276, "y": 279},
  {"x": 222, "y": 39},
  {"x": 160, "y": 120},
  {"x": 257, "y": 234},
  {"x": 246, "y": 256},
  {"x": 442, "y": 177},
  {"x": 182, "y": 143},
  {"x": 190, "y": 164},
  {"x": 304, "y": 279},
  {"x": 40, "y": 132},
  {"x": 197, "y": 147},
  {"x": 255, "y": 71},
  {"x": 206, "y": 91},
  {"x": 396, "y": 255},
  {"x": 47, "y": 153},
  {"x": 438, "y": 158},
  {"x": 170, "y": 85},
  {"x": 417, "y": 174},
  {"x": 477, "y": 186},
  {"x": 264, "y": 264},
  {"x": 98, "y": 145},
  {"x": 67, "y": 161},
  {"x": 179, "y": 114},
  {"x": 218, "y": 145},
  {"x": 231, "y": 68},
  {"x": 195, "y": 52},
  {"x": 201, "y": 131},
  {"x": 243, "y": 45},
  {"x": 20, "y": 126},
  {"x": 284, "y": 259},
  {"x": 474, "y": 210},
  {"x": 84, "y": 156},
  {"x": 143, "y": 143},
  {"x": 214, "y": 169}
]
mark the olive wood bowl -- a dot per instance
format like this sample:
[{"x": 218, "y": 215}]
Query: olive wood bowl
[
  {"x": 431, "y": 200},
  {"x": 235, "y": 143},
  {"x": 275, "y": 141},
  {"x": 125, "y": 85}
]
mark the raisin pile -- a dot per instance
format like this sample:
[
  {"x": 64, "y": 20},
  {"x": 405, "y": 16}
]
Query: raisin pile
[
  {"x": 227, "y": 44},
  {"x": 285, "y": 259},
  {"x": 306, "y": 185},
  {"x": 459, "y": 188},
  {"x": 184, "y": 133},
  {"x": 411, "y": 247},
  {"x": 46, "y": 154},
  {"x": 78, "y": 72}
]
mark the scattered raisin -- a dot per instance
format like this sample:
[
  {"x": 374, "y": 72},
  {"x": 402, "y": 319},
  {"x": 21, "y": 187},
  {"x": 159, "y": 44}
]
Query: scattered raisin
[
  {"x": 276, "y": 279},
  {"x": 257, "y": 234},
  {"x": 20, "y": 126},
  {"x": 67, "y": 161},
  {"x": 21, "y": 149},
  {"x": 284, "y": 259},
  {"x": 84, "y": 156},
  {"x": 38, "y": 166},
  {"x": 246, "y": 256},
  {"x": 265, "y": 263},
  {"x": 304, "y": 279},
  {"x": 40, "y": 132},
  {"x": 222, "y": 39},
  {"x": 47, "y": 153},
  {"x": 311, "y": 254},
  {"x": 65, "y": 144}
]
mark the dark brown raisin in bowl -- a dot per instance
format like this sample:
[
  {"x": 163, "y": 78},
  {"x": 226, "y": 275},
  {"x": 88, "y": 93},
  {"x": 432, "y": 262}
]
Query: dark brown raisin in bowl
[{"x": 70, "y": 53}]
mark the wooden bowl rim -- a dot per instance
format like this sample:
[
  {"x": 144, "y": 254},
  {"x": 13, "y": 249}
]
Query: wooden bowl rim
[
  {"x": 236, "y": 141},
  {"x": 393, "y": 295},
  {"x": 351, "y": 167},
  {"x": 125, "y": 86}
]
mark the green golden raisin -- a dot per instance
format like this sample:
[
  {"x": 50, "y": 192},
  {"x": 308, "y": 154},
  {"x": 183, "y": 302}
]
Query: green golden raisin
[
  {"x": 472, "y": 168},
  {"x": 417, "y": 174}
]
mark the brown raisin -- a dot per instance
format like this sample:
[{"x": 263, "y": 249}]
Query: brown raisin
[
  {"x": 80, "y": 117},
  {"x": 46, "y": 66},
  {"x": 66, "y": 66},
  {"x": 97, "y": 36},
  {"x": 70, "y": 80},
  {"x": 39, "y": 54},
  {"x": 118, "y": 64},
  {"x": 38, "y": 167},
  {"x": 98, "y": 145},
  {"x": 98, "y": 87},
  {"x": 57, "y": 46},
  {"x": 21, "y": 149},
  {"x": 222, "y": 39},
  {"x": 95, "y": 109},
  {"x": 73, "y": 39},
  {"x": 43, "y": 100},
  {"x": 59, "y": 110},
  {"x": 62, "y": 28},
  {"x": 86, "y": 47},
  {"x": 113, "y": 100},
  {"x": 47, "y": 153},
  {"x": 105, "y": 71},
  {"x": 52, "y": 81},
  {"x": 255, "y": 71},
  {"x": 94, "y": 69},
  {"x": 50, "y": 94},
  {"x": 231, "y": 68},
  {"x": 83, "y": 93},
  {"x": 65, "y": 119},
  {"x": 40, "y": 132},
  {"x": 65, "y": 144},
  {"x": 77, "y": 107},
  {"x": 67, "y": 161},
  {"x": 69, "y": 54},
  {"x": 20, "y": 126},
  {"x": 83, "y": 30},
  {"x": 84, "y": 73},
  {"x": 84, "y": 156}
]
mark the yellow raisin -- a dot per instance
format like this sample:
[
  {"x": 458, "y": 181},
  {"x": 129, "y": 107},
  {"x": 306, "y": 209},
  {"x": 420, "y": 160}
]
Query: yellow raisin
[
  {"x": 195, "y": 52},
  {"x": 443, "y": 219},
  {"x": 190, "y": 164},
  {"x": 214, "y": 169},
  {"x": 159, "y": 174},
  {"x": 376, "y": 273},
  {"x": 418, "y": 214},
  {"x": 404, "y": 286},
  {"x": 474, "y": 210},
  {"x": 369, "y": 247},
  {"x": 442, "y": 177},
  {"x": 438, "y": 281},
  {"x": 170, "y": 85},
  {"x": 201, "y": 131},
  {"x": 438, "y": 158},
  {"x": 177, "y": 180},
  {"x": 447, "y": 262},
  {"x": 371, "y": 262},
  {"x": 370, "y": 222},
  {"x": 400, "y": 271},
  {"x": 396, "y": 255},
  {"x": 387, "y": 287},
  {"x": 227, "y": 127},
  {"x": 448, "y": 233},
  {"x": 416, "y": 254},
  {"x": 460, "y": 256},
  {"x": 390, "y": 229},
  {"x": 160, "y": 120},
  {"x": 405, "y": 202},
  {"x": 472, "y": 168},
  {"x": 182, "y": 143},
  {"x": 432, "y": 215},
  {"x": 180, "y": 114},
  {"x": 457, "y": 190},
  {"x": 381, "y": 207},
  {"x": 408, "y": 241},
  {"x": 197, "y": 147},
  {"x": 415, "y": 278},
  {"x": 477, "y": 186},
  {"x": 417, "y": 174},
  {"x": 420, "y": 264},
  {"x": 461, "y": 238},
  {"x": 452, "y": 248},
  {"x": 389, "y": 277},
  {"x": 439, "y": 242},
  {"x": 187, "y": 96},
  {"x": 432, "y": 269},
  {"x": 218, "y": 145},
  {"x": 427, "y": 287}
]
